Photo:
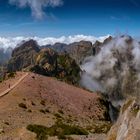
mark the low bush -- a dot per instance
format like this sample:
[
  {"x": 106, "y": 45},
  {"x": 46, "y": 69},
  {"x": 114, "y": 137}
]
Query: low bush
[
  {"x": 11, "y": 74},
  {"x": 60, "y": 111},
  {"x": 57, "y": 115},
  {"x": 59, "y": 129},
  {"x": 29, "y": 110},
  {"x": 22, "y": 105},
  {"x": 42, "y": 102},
  {"x": 41, "y": 131},
  {"x": 42, "y": 111}
]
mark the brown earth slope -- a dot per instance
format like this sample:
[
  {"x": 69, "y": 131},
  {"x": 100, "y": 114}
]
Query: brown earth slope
[{"x": 41, "y": 100}]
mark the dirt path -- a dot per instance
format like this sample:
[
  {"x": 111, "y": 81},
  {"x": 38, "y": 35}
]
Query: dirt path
[{"x": 13, "y": 86}]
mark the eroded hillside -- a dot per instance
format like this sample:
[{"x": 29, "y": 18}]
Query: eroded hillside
[{"x": 46, "y": 102}]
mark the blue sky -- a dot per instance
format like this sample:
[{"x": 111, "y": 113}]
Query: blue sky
[{"x": 88, "y": 17}]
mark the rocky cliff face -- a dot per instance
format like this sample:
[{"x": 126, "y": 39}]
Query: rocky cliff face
[
  {"x": 98, "y": 45},
  {"x": 58, "y": 47},
  {"x": 127, "y": 126},
  {"x": 45, "y": 61},
  {"x": 23, "y": 56},
  {"x": 78, "y": 50},
  {"x": 61, "y": 66}
]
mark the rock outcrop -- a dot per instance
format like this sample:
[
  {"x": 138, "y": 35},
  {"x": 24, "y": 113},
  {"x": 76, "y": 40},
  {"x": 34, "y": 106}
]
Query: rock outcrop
[
  {"x": 77, "y": 50},
  {"x": 45, "y": 61},
  {"x": 58, "y": 47},
  {"x": 127, "y": 126},
  {"x": 80, "y": 50},
  {"x": 61, "y": 66},
  {"x": 23, "y": 56}
]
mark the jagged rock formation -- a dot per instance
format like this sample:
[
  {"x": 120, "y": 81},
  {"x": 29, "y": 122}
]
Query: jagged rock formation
[
  {"x": 80, "y": 50},
  {"x": 23, "y": 56},
  {"x": 58, "y": 47},
  {"x": 98, "y": 45},
  {"x": 77, "y": 50},
  {"x": 61, "y": 66},
  {"x": 45, "y": 61}
]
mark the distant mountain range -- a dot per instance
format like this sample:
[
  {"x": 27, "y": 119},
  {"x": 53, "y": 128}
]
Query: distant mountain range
[
  {"x": 59, "y": 60},
  {"x": 111, "y": 67},
  {"x": 8, "y": 44}
]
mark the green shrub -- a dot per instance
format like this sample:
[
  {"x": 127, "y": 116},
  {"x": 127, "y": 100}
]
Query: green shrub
[
  {"x": 33, "y": 103},
  {"x": 42, "y": 102},
  {"x": 47, "y": 110},
  {"x": 29, "y": 110},
  {"x": 22, "y": 105},
  {"x": 11, "y": 74},
  {"x": 72, "y": 130},
  {"x": 42, "y": 111},
  {"x": 59, "y": 129},
  {"x": 7, "y": 123},
  {"x": 1, "y": 79},
  {"x": 99, "y": 127},
  {"x": 62, "y": 137},
  {"x": 60, "y": 111},
  {"x": 41, "y": 131},
  {"x": 126, "y": 105},
  {"x": 57, "y": 115}
]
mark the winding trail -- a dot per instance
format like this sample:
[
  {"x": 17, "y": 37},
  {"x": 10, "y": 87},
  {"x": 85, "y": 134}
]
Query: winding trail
[{"x": 13, "y": 86}]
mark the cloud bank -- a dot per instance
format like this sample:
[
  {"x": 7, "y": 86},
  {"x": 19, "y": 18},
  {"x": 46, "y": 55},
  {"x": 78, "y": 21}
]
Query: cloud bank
[
  {"x": 36, "y": 6},
  {"x": 6, "y": 42},
  {"x": 115, "y": 70}
]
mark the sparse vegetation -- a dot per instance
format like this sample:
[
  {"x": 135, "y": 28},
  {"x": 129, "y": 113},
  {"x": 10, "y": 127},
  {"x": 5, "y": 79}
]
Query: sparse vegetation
[
  {"x": 22, "y": 105},
  {"x": 57, "y": 115},
  {"x": 43, "y": 102},
  {"x": 1, "y": 79},
  {"x": 126, "y": 105},
  {"x": 33, "y": 103},
  {"x": 99, "y": 127},
  {"x": 11, "y": 75},
  {"x": 47, "y": 110},
  {"x": 135, "y": 109},
  {"x": 24, "y": 99},
  {"x": 41, "y": 131},
  {"x": 59, "y": 129},
  {"x": 60, "y": 111},
  {"x": 104, "y": 104},
  {"x": 7, "y": 123},
  {"x": 29, "y": 110},
  {"x": 42, "y": 111}
]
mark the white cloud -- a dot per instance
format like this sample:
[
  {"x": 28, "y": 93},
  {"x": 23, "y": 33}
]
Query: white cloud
[
  {"x": 36, "y": 6},
  {"x": 6, "y": 42}
]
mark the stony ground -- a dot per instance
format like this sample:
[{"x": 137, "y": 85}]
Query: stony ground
[{"x": 43, "y": 101}]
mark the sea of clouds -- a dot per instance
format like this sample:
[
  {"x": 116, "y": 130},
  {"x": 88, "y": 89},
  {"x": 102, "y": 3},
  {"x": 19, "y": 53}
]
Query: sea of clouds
[{"x": 12, "y": 42}]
